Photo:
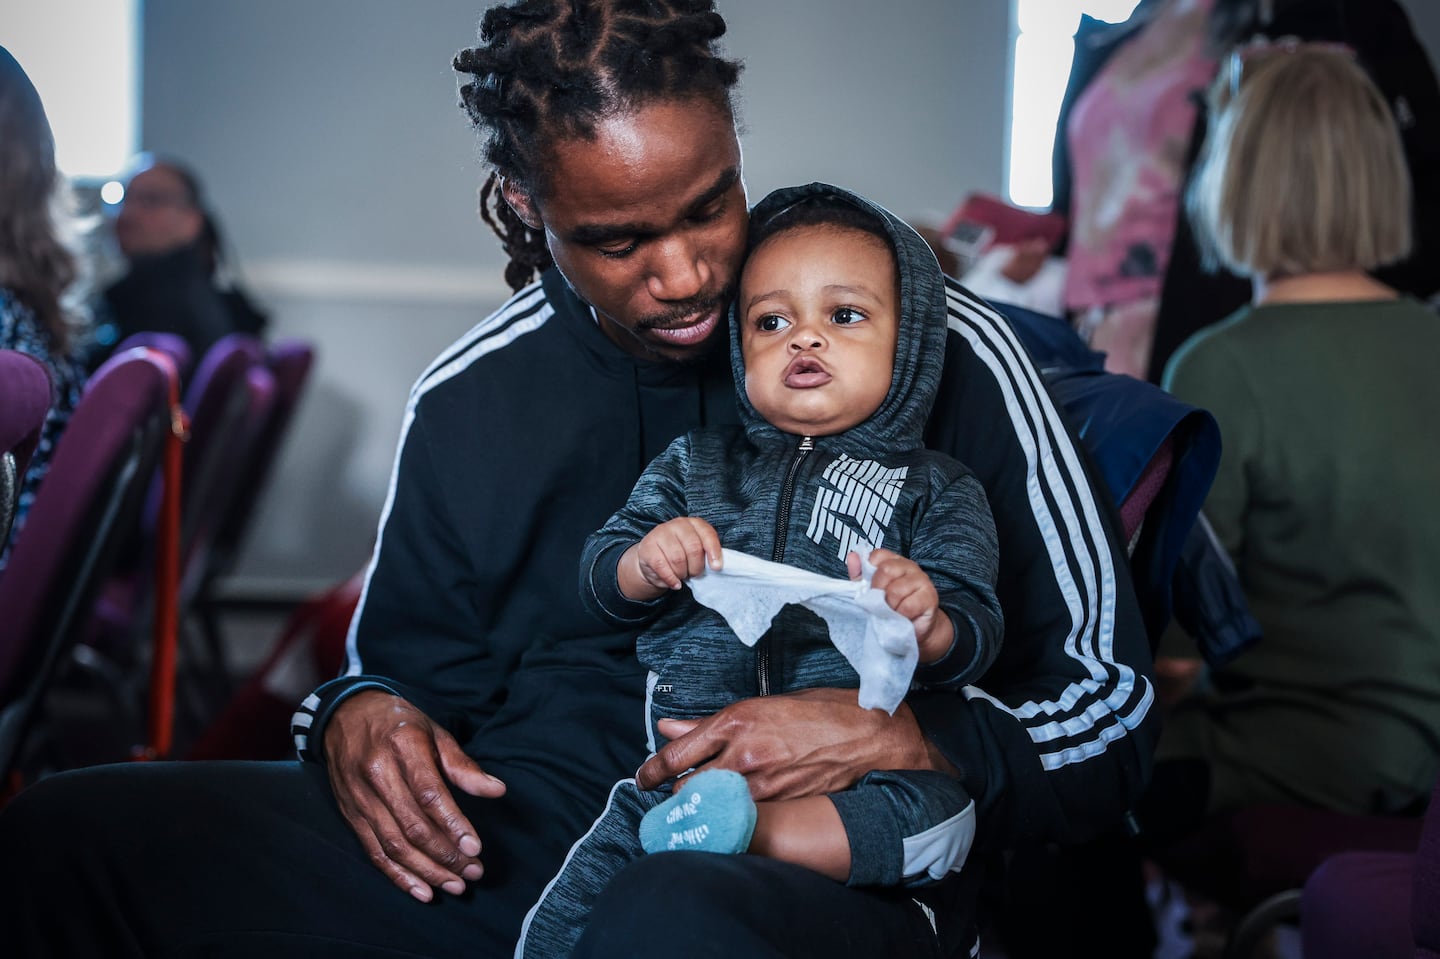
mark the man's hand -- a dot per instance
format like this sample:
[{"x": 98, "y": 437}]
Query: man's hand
[
  {"x": 668, "y": 555},
  {"x": 806, "y": 743},
  {"x": 388, "y": 764}
]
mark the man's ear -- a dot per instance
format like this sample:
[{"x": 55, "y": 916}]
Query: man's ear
[{"x": 517, "y": 198}]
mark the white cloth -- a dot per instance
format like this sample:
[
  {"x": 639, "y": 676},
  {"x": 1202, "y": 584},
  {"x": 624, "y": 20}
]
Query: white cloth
[{"x": 877, "y": 641}]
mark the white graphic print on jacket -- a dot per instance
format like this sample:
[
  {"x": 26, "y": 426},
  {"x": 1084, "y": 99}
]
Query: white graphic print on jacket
[{"x": 858, "y": 504}]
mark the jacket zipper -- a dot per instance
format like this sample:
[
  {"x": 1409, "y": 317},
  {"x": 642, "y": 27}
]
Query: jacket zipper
[{"x": 777, "y": 554}]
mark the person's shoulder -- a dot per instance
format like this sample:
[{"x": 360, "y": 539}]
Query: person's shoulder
[
  {"x": 19, "y": 327},
  {"x": 1208, "y": 352},
  {"x": 479, "y": 355}
]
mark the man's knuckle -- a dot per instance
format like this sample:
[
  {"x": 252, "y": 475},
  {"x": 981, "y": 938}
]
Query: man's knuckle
[{"x": 430, "y": 795}]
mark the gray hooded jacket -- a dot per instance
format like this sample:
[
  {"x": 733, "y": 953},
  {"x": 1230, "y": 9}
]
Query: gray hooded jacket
[{"x": 807, "y": 502}]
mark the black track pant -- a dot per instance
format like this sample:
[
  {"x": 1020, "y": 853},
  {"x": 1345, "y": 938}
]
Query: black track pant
[
  {"x": 698, "y": 905},
  {"x": 247, "y": 859},
  {"x": 229, "y": 859}
]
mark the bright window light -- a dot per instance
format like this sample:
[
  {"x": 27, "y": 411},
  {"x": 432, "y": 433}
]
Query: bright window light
[
  {"x": 1044, "y": 48},
  {"x": 83, "y": 57}
]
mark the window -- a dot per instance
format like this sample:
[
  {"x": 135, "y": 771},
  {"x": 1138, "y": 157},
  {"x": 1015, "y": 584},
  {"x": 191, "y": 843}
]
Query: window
[
  {"x": 83, "y": 57},
  {"x": 1043, "y": 50}
]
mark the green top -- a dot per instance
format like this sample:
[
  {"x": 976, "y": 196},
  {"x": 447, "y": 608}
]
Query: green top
[{"x": 1326, "y": 498}]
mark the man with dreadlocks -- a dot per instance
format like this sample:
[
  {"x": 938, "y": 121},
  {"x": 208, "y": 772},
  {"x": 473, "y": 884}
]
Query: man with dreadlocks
[{"x": 483, "y": 714}]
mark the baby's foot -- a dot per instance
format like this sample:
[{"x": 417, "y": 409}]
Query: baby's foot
[{"x": 712, "y": 812}]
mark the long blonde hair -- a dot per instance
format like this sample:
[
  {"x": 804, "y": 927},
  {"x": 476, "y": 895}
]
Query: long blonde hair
[{"x": 35, "y": 262}]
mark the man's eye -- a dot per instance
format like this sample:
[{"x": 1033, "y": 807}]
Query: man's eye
[
  {"x": 617, "y": 250},
  {"x": 712, "y": 212},
  {"x": 846, "y": 315},
  {"x": 770, "y": 323}
]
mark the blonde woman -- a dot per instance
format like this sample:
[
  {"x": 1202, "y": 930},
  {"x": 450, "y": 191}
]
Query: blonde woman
[{"x": 1326, "y": 395}]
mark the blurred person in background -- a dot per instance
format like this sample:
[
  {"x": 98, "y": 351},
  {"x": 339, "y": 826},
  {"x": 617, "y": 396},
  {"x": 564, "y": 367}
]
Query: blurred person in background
[
  {"x": 1325, "y": 392},
  {"x": 1132, "y": 125},
  {"x": 176, "y": 280},
  {"x": 37, "y": 266}
]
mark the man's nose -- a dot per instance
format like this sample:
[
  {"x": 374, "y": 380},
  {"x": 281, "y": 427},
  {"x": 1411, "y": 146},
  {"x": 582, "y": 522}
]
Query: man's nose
[{"x": 678, "y": 270}]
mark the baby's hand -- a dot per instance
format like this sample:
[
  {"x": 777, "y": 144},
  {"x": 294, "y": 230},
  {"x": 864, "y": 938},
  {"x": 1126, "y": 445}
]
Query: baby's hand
[
  {"x": 910, "y": 593},
  {"x": 668, "y": 555}
]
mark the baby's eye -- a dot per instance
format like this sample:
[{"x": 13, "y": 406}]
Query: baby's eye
[
  {"x": 770, "y": 323},
  {"x": 846, "y": 315}
]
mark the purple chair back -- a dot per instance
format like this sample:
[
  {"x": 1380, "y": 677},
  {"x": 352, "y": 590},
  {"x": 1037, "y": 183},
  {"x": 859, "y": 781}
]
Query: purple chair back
[
  {"x": 291, "y": 362},
  {"x": 217, "y": 400},
  {"x": 24, "y": 403},
  {"x": 102, "y": 464},
  {"x": 227, "y": 471},
  {"x": 171, "y": 344},
  {"x": 1425, "y": 898}
]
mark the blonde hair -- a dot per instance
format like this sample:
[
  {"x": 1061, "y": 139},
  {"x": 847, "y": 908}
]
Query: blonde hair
[{"x": 1303, "y": 171}]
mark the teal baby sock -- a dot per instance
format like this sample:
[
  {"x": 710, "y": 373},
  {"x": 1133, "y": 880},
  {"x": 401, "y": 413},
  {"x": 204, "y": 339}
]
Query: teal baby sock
[{"x": 712, "y": 812}]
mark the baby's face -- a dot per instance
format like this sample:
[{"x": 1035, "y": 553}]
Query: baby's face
[{"x": 820, "y": 314}]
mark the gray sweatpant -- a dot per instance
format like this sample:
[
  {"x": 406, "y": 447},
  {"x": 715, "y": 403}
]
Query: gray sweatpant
[{"x": 908, "y": 828}]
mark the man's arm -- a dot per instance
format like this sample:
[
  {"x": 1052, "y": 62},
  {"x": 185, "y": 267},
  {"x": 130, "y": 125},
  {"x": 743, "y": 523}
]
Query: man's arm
[
  {"x": 421, "y": 668},
  {"x": 1055, "y": 742},
  {"x": 391, "y": 764}
]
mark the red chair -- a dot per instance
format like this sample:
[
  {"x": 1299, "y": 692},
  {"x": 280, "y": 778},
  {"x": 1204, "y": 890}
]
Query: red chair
[{"x": 256, "y": 722}]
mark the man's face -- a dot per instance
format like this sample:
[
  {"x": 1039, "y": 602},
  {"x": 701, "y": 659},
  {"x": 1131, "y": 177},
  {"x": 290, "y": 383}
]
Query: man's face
[
  {"x": 647, "y": 223},
  {"x": 820, "y": 317},
  {"x": 157, "y": 215}
]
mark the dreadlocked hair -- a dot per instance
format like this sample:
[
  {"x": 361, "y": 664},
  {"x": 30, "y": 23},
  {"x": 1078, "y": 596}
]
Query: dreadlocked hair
[{"x": 553, "y": 69}]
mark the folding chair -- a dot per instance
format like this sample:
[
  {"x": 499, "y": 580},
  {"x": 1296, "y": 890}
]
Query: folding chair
[
  {"x": 95, "y": 488},
  {"x": 290, "y": 362},
  {"x": 227, "y": 398}
]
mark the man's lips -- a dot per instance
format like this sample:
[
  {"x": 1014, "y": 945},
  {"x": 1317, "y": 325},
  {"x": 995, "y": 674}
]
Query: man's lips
[
  {"x": 805, "y": 372},
  {"x": 694, "y": 330}
]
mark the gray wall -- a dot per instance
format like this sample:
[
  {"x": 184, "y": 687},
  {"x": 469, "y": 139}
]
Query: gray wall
[
  {"x": 329, "y": 138},
  {"x": 328, "y": 134}
]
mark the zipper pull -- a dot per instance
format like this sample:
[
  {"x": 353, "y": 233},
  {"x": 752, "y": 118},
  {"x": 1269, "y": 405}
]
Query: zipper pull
[{"x": 806, "y": 444}]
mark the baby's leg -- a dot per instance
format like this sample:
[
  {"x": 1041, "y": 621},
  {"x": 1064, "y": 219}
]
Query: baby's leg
[
  {"x": 910, "y": 828},
  {"x": 713, "y": 812},
  {"x": 894, "y": 828}
]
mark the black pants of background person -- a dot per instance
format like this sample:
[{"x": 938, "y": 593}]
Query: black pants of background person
[
  {"x": 1044, "y": 899},
  {"x": 251, "y": 859}
]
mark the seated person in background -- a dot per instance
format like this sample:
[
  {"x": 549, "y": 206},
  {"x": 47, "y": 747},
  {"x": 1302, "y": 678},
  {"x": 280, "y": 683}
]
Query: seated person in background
[
  {"x": 1325, "y": 393},
  {"x": 839, "y": 344},
  {"x": 175, "y": 281},
  {"x": 36, "y": 266}
]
